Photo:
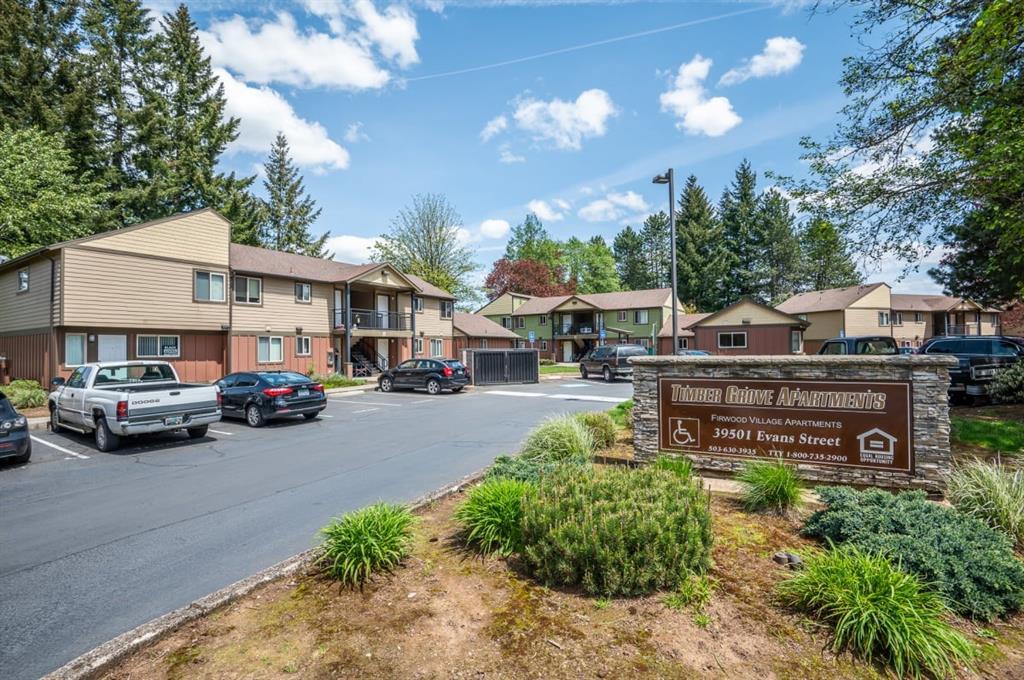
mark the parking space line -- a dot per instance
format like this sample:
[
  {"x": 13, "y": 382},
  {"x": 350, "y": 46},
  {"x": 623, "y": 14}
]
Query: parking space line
[
  {"x": 364, "y": 403},
  {"x": 366, "y": 410},
  {"x": 222, "y": 432},
  {"x": 59, "y": 448},
  {"x": 586, "y": 397},
  {"x": 324, "y": 415},
  {"x": 422, "y": 401},
  {"x": 507, "y": 393}
]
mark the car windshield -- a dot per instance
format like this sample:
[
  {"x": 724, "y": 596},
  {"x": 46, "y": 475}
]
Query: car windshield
[
  {"x": 877, "y": 346},
  {"x": 6, "y": 410},
  {"x": 132, "y": 374},
  {"x": 284, "y": 378}
]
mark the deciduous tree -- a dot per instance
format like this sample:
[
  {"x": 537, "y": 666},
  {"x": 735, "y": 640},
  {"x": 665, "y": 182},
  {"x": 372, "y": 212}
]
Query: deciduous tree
[{"x": 526, "y": 276}]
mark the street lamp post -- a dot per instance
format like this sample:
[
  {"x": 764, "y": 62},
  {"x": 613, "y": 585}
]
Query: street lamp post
[{"x": 669, "y": 178}]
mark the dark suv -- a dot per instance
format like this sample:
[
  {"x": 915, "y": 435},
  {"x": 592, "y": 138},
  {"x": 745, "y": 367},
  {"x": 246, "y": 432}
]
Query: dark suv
[
  {"x": 861, "y": 344},
  {"x": 432, "y": 375},
  {"x": 610, "y": 361},
  {"x": 980, "y": 357}
]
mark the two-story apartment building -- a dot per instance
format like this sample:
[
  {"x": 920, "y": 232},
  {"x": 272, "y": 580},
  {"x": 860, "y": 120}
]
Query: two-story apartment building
[
  {"x": 564, "y": 327},
  {"x": 178, "y": 289},
  {"x": 746, "y": 327},
  {"x": 873, "y": 309}
]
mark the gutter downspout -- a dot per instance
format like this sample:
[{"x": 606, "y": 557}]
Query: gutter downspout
[
  {"x": 229, "y": 355},
  {"x": 52, "y": 354}
]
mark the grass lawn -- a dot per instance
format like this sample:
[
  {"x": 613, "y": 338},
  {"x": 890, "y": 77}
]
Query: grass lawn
[
  {"x": 993, "y": 434},
  {"x": 559, "y": 368}
]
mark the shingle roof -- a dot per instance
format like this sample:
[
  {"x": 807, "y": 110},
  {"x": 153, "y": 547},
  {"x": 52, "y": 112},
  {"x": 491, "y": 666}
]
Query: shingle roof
[
  {"x": 429, "y": 288},
  {"x": 476, "y": 326},
  {"x": 926, "y": 303},
  {"x": 630, "y": 299},
  {"x": 826, "y": 300},
  {"x": 685, "y": 321}
]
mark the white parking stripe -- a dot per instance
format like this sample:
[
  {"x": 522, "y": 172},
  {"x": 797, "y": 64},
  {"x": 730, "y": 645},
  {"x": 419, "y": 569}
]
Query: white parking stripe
[
  {"x": 585, "y": 397},
  {"x": 367, "y": 403},
  {"x": 422, "y": 401},
  {"x": 366, "y": 410},
  {"x": 324, "y": 415},
  {"x": 222, "y": 432},
  {"x": 505, "y": 393},
  {"x": 59, "y": 448}
]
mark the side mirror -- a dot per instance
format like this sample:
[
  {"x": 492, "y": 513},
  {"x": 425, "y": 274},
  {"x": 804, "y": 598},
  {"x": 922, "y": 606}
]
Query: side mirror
[{"x": 57, "y": 382}]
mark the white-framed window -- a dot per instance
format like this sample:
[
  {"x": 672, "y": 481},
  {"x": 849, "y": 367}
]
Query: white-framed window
[
  {"x": 147, "y": 346},
  {"x": 417, "y": 304},
  {"x": 883, "y": 319},
  {"x": 918, "y": 317},
  {"x": 483, "y": 343},
  {"x": 23, "y": 280},
  {"x": 993, "y": 319},
  {"x": 644, "y": 342},
  {"x": 897, "y": 318},
  {"x": 74, "y": 349},
  {"x": 640, "y": 317},
  {"x": 248, "y": 290},
  {"x": 796, "y": 341},
  {"x": 736, "y": 340},
  {"x": 209, "y": 286},
  {"x": 447, "y": 307},
  {"x": 520, "y": 322},
  {"x": 543, "y": 319},
  {"x": 544, "y": 345},
  {"x": 436, "y": 348},
  {"x": 506, "y": 322},
  {"x": 303, "y": 292},
  {"x": 684, "y": 343},
  {"x": 269, "y": 349},
  {"x": 417, "y": 345},
  {"x": 303, "y": 346},
  {"x": 621, "y": 315}
]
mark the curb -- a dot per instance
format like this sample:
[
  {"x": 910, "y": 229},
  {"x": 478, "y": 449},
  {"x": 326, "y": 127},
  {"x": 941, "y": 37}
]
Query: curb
[
  {"x": 38, "y": 423},
  {"x": 99, "y": 660}
]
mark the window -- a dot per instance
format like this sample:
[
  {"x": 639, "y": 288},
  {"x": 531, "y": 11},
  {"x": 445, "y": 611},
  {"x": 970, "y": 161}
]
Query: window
[
  {"x": 520, "y": 322},
  {"x": 543, "y": 319},
  {"x": 303, "y": 293},
  {"x": 269, "y": 349},
  {"x": 732, "y": 340},
  {"x": 303, "y": 346},
  {"x": 644, "y": 342},
  {"x": 483, "y": 343},
  {"x": 993, "y": 319},
  {"x": 23, "y": 280},
  {"x": 248, "y": 290},
  {"x": 417, "y": 304},
  {"x": 621, "y": 315},
  {"x": 209, "y": 287},
  {"x": 79, "y": 377},
  {"x": 436, "y": 348},
  {"x": 74, "y": 349},
  {"x": 684, "y": 343},
  {"x": 544, "y": 345},
  {"x": 883, "y": 318},
  {"x": 835, "y": 348},
  {"x": 417, "y": 345},
  {"x": 640, "y": 317},
  {"x": 877, "y": 346},
  {"x": 506, "y": 322},
  {"x": 446, "y": 309},
  {"x": 796, "y": 341},
  {"x": 897, "y": 318},
  {"x": 157, "y": 346},
  {"x": 1003, "y": 348},
  {"x": 802, "y": 317},
  {"x": 945, "y": 347}
]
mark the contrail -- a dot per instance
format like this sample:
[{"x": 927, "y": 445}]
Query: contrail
[{"x": 576, "y": 48}]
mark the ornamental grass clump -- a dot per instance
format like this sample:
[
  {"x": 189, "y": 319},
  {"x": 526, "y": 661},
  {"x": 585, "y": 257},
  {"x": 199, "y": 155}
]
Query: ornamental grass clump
[
  {"x": 680, "y": 467},
  {"x": 971, "y": 565},
  {"x": 602, "y": 427},
  {"x": 365, "y": 542},
  {"x": 769, "y": 486},
  {"x": 492, "y": 515},
  {"x": 559, "y": 439},
  {"x": 879, "y": 612},
  {"x": 616, "y": 531},
  {"x": 993, "y": 493}
]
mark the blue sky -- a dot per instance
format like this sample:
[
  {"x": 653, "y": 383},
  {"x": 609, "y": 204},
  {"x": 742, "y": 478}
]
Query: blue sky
[{"x": 385, "y": 100}]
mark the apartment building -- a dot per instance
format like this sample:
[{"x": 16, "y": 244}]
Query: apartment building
[
  {"x": 473, "y": 331},
  {"x": 178, "y": 289},
  {"x": 873, "y": 309},
  {"x": 746, "y": 327}
]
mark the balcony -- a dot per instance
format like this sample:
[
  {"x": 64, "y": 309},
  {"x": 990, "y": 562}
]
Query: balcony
[
  {"x": 576, "y": 329},
  {"x": 969, "y": 329},
  {"x": 368, "y": 319}
]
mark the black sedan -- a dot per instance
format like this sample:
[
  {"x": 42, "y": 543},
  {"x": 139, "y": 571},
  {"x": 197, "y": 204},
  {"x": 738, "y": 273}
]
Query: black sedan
[
  {"x": 433, "y": 375},
  {"x": 259, "y": 396},
  {"x": 15, "y": 443}
]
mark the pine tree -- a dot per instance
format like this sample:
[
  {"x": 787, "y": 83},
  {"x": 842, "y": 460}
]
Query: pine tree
[
  {"x": 738, "y": 213},
  {"x": 629, "y": 259},
  {"x": 825, "y": 257},
  {"x": 702, "y": 260},
  {"x": 656, "y": 240},
  {"x": 778, "y": 262},
  {"x": 530, "y": 241},
  {"x": 290, "y": 211}
]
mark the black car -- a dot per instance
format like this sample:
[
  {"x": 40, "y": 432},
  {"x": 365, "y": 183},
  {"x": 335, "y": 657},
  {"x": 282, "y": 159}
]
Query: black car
[
  {"x": 433, "y": 375},
  {"x": 980, "y": 357},
  {"x": 860, "y": 344},
  {"x": 259, "y": 396},
  {"x": 15, "y": 443}
]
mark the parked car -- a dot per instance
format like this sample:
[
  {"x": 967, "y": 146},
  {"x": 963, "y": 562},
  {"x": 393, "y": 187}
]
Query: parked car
[
  {"x": 906, "y": 350},
  {"x": 15, "y": 443},
  {"x": 980, "y": 358},
  {"x": 611, "y": 361},
  {"x": 860, "y": 344},
  {"x": 259, "y": 396},
  {"x": 433, "y": 375},
  {"x": 117, "y": 399},
  {"x": 692, "y": 353}
]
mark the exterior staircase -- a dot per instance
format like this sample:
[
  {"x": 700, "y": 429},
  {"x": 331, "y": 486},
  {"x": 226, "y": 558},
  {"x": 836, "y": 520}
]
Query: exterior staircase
[{"x": 362, "y": 364}]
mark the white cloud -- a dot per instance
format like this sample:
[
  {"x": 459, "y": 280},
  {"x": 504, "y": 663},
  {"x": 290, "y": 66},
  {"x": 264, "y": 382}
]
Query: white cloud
[
  {"x": 566, "y": 123},
  {"x": 613, "y": 206},
  {"x": 506, "y": 155},
  {"x": 688, "y": 101},
  {"x": 494, "y": 126},
  {"x": 546, "y": 212},
  {"x": 494, "y": 228},
  {"x": 349, "y": 248},
  {"x": 780, "y": 55},
  {"x": 264, "y": 112},
  {"x": 394, "y": 32},
  {"x": 354, "y": 133}
]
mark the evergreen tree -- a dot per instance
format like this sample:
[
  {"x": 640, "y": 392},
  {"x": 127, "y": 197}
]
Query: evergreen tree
[
  {"x": 702, "y": 260},
  {"x": 738, "y": 210},
  {"x": 777, "y": 273},
  {"x": 656, "y": 240},
  {"x": 629, "y": 259},
  {"x": 289, "y": 212},
  {"x": 530, "y": 241},
  {"x": 826, "y": 260}
]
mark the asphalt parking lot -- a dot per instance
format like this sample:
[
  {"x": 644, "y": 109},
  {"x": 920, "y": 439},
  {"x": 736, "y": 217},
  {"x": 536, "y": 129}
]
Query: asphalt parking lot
[{"x": 93, "y": 544}]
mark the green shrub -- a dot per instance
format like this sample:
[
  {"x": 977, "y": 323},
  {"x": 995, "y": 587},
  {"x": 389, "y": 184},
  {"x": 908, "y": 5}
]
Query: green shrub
[
  {"x": 1008, "y": 385},
  {"x": 622, "y": 414},
  {"x": 517, "y": 467},
  {"x": 332, "y": 380},
  {"x": 374, "y": 539},
  {"x": 562, "y": 438},
  {"x": 993, "y": 493},
  {"x": 547, "y": 362},
  {"x": 492, "y": 515},
  {"x": 879, "y": 612},
  {"x": 770, "y": 486},
  {"x": 677, "y": 465},
  {"x": 602, "y": 427},
  {"x": 26, "y": 398},
  {"x": 23, "y": 384},
  {"x": 616, "y": 531},
  {"x": 971, "y": 565}
]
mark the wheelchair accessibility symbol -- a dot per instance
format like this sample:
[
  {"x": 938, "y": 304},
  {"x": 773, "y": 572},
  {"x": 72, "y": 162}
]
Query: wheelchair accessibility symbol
[{"x": 684, "y": 432}]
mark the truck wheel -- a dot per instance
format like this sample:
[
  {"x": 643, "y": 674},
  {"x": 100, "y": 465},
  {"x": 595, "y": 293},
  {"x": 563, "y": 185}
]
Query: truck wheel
[
  {"x": 433, "y": 386},
  {"x": 54, "y": 420},
  {"x": 105, "y": 439},
  {"x": 584, "y": 373},
  {"x": 197, "y": 432},
  {"x": 608, "y": 377},
  {"x": 254, "y": 416}
]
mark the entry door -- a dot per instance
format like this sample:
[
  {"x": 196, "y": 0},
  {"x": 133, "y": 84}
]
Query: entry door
[
  {"x": 382, "y": 312},
  {"x": 382, "y": 353},
  {"x": 567, "y": 352},
  {"x": 112, "y": 348}
]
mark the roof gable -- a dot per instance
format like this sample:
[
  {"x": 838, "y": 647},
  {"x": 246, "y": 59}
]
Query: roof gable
[
  {"x": 477, "y": 326},
  {"x": 756, "y": 310},
  {"x": 829, "y": 300}
]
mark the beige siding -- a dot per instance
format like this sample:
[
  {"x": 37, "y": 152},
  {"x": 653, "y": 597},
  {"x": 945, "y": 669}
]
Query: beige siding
[
  {"x": 115, "y": 290},
  {"x": 988, "y": 328},
  {"x": 879, "y": 298},
  {"x": 824, "y": 325},
  {"x": 199, "y": 237},
  {"x": 756, "y": 315},
  {"x": 914, "y": 332},
  {"x": 503, "y": 305},
  {"x": 574, "y": 305},
  {"x": 429, "y": 321},
  {"x": 31, "y": 309},
  {"x": 864, "y": 321},
  {"x": 393, "y": 280},
  {"x": 279, "y": 311}
]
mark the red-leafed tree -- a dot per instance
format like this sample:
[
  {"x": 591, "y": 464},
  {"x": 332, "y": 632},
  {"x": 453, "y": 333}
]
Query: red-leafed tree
[{"x": 527, "y": 276}]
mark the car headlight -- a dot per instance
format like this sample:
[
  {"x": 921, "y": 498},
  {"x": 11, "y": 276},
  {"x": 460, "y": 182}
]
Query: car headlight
[
  {"x": 6, "y": 425},
  {"x": 20, "y": 422}
]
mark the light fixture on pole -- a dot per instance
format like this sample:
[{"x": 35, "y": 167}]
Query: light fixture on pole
[{"x": 669, "y": 178}]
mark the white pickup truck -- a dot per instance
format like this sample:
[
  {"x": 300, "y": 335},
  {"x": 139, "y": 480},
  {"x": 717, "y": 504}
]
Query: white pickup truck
[{"x": 117, "y": 399}]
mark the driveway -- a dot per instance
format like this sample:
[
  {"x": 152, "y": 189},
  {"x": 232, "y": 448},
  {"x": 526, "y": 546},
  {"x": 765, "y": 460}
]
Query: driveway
[{"x": 93, "y": 544}]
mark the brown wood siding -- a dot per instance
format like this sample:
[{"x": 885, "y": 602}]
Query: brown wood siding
[
  {"x": 761, "y": 340},
  {"x": 202, "y": 354},
  {"x": 243, "y": 354},
  {"x": 28, "y": 356},
  {"x": 462, "y": 342}
]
